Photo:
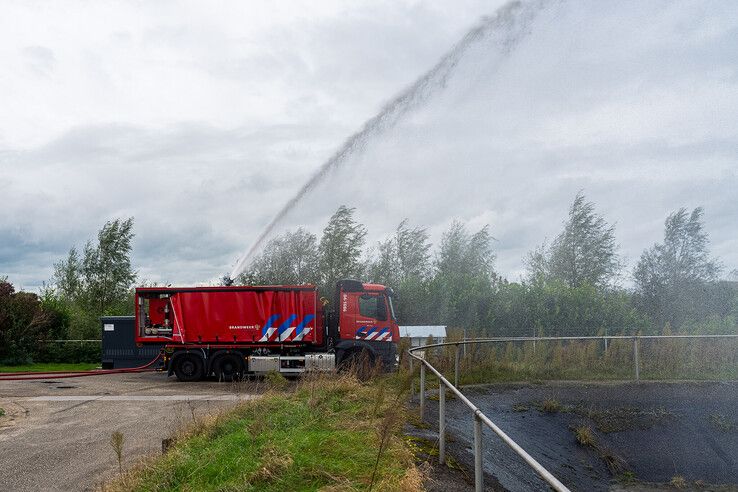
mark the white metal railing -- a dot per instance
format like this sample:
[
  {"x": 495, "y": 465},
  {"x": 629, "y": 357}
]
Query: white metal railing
[{"x": 480, "y": 418}]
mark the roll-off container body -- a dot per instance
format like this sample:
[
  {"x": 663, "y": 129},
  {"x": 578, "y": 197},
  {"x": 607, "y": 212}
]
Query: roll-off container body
[{"x": 234, "y": 330}]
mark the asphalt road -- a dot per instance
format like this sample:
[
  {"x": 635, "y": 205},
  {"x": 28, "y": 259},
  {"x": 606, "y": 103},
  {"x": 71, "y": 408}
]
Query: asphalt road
[{"x": 55, "y": 435}]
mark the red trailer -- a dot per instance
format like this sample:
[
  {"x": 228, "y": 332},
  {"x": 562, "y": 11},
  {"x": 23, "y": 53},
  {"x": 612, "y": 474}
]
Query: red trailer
[{"x": 233, "y": 330}]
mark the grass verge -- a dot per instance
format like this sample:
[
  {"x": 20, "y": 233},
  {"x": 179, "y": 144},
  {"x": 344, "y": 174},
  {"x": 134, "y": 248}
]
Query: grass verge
[
  {"x": 51, "y": 366},
  {"x": 324, "y": 434}
]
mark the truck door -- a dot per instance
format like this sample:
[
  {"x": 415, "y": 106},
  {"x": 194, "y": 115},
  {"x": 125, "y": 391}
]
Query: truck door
[{"x": 365, "y": 316}]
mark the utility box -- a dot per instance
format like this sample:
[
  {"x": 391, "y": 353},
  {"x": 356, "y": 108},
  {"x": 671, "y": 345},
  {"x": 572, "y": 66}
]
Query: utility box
[
  {"x": 320, "y": 362},
  {"x": 119, "y": 348},
  {"x": 264, "y": 364}
]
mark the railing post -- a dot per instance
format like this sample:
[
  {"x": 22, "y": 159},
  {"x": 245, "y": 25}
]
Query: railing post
[
  {"x": 422, "y": 390},
  {"x": 441, "y": 422},
  {"x": 605, "y": 339},
  {"x": 636, "y": 361},
  {"x": 412, "y": 378},
  {"x": 478, "y": 475},
  {"x": 456, "y": 366}
]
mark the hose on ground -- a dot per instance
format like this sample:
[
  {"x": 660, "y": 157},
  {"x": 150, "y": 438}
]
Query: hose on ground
[{"x": 29, "y": 376}]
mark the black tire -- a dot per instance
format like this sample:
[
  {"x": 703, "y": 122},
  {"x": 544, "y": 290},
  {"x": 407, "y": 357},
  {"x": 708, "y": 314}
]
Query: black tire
[
  {"x": 228, "y": 367},
  {"x": 359, "y": 362},
  {"x": 188, "y": 367}
]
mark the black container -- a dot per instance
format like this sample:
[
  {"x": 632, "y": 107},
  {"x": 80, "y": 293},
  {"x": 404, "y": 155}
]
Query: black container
[{"x": 119, "y": 347}]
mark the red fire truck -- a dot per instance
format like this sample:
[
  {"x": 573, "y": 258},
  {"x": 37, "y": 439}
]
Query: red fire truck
[{"x": 235, "y": 330}]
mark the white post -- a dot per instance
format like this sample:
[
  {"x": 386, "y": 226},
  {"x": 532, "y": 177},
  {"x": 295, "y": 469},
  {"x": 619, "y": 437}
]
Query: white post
[
  {"x": 441, "y": 422},
  {"x": 422, "y": 390},
  {"x": 465, "y": 340},
  {"x": 636, "y": 362},
  {"x": 605, "y": 339},
  {"x": 478, "y": 476},
  {"x": 412, "y": 380},
  {"x": 456, "y": 367}
]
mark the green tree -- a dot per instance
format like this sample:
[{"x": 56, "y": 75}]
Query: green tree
[
  {"x": 23, "y": 324},
  {"x": 555, "y": 309},
  {"x": 97, "y": 283},
  {"x": 106, "y": 267},
  {"x": 403, "y": 263},
  {"x": 461, "y": 289},
  {"x": 384, "y": 266},
  {"x": 413, "y": 251},
  {"x": 403, "y": 256},
  {"x": 341, "y": 248},
  {"x": 672, "y": 277},
  {"x": 291, "y": 258},
  {"x": 584, "y": 253},
  {"x": 67, "y": 278}
]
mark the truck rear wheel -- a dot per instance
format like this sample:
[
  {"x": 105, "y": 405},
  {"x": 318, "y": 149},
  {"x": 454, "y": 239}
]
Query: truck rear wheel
[
  {"x": 188, "y": 367},
  {"x": 228, "y": 367}
]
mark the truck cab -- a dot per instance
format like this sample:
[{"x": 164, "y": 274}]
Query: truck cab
[{"x": 365, "y": 321}]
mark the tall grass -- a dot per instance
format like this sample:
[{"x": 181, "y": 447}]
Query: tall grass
[{"x": 693, "y": 359}]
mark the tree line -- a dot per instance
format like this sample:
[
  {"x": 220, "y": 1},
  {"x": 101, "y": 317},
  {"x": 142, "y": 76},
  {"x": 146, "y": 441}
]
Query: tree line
[
  {"x": 85, "y": 285},
  {"x": 574, "y": 285}
]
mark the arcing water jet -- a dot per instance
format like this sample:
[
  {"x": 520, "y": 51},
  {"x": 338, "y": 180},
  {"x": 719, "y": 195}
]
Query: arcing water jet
[{"x": 509, "y": 24}]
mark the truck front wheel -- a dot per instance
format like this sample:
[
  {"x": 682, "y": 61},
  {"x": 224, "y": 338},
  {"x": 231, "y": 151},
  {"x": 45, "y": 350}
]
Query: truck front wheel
[
  {"x": 359, "y": 362},
  {"x": 188, "y": 367}
]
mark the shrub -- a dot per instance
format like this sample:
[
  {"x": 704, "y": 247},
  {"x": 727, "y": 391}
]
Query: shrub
[
  {"x": 276, "y": 380},
  {"x": 551, "y": 406},
  {"x": 584, "y": 435},
  {"x": 678, "y": 482}
]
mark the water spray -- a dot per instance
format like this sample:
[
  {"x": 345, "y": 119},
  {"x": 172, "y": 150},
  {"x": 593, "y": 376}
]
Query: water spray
[{"x": 510, "y": 23}]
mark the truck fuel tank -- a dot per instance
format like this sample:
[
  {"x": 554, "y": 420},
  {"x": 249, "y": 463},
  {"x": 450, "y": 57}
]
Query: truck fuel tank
[{"x": 291, "y": 364}]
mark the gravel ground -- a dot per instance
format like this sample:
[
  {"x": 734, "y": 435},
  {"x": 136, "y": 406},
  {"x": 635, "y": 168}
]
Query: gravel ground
[
  {"x": 55, "y": 435},
  {"x": 658, "y": 430}
]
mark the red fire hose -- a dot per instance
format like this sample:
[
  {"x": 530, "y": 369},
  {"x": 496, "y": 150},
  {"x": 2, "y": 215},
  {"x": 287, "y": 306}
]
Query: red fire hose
[{"x": 29, "y": 376}]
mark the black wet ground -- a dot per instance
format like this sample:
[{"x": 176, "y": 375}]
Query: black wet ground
[{"x": 650, "y": 432}]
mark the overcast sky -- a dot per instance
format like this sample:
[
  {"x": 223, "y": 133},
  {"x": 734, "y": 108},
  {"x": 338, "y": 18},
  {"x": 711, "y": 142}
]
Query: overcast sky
[{"x": 201, "y": 120}]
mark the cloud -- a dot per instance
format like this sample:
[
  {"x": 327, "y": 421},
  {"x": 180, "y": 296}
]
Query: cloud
[
  {"x": 201, "y": 123},
  {"x": 41, "y": 59},
  {"x": 621, "y": 107}
]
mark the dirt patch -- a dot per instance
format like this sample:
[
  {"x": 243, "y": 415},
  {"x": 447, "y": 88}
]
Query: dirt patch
[
  {"x": 723, "y": 423},
  {"x": 56, "y": 435},
  {"x": 452, "y": 476},
  {"x": 624, "y": 418}
]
